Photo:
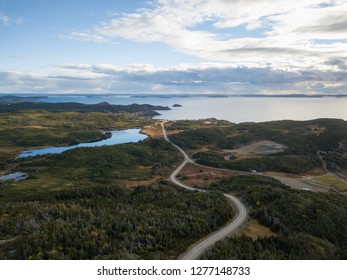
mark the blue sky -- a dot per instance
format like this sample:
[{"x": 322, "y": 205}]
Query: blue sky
[{"x": 173, "y": 46}]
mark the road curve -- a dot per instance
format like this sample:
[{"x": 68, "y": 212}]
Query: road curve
[{"x": 198, "y": 248}]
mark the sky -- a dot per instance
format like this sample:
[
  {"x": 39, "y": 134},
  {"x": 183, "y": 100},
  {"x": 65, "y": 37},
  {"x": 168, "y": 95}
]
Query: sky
[{"x": 173, "y": 46}]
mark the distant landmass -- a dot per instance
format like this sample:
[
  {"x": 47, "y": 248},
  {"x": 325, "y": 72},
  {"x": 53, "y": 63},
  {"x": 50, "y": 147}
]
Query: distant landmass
[
  {"x": 178, "y": 95},
  {"x": 11, "y": 99},
  {"x": 144, "y": 110}
]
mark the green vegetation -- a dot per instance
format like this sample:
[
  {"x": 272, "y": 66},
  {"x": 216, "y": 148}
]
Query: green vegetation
[
  {"x": 98, "y": 165},
  {"x": 195, "y": 124},
  {"x": 144, "y": 110},
  {"x": 294, "y": 247},
  {"x": 73, "y": 205},
  {"x": 29, "y": 129},
  {"x": 198, "y": 138},
  {"x": 332, "y": 181},
  {"x": 307, "y": 225},
  {"x": 288, "y": 164},
  {"x": 70, "y": 208},
  {"x": 302, "y": 138},
  {"x": 109, "y": 222}
]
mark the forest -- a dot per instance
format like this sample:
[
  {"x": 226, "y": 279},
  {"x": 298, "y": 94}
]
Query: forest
[
  {"x": 307, "y": 225},
  {"x": 114, "y": 202},
  {"x": 141, "y": 109},
  {"x": 108, "y": 222},
  {"x": 303, "y": 139},
  {"x": 74, "y": 205}
]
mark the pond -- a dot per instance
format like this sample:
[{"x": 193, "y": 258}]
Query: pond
[
  {"x": 118, "y": 137},
  {"x": 17, "y": 176}
]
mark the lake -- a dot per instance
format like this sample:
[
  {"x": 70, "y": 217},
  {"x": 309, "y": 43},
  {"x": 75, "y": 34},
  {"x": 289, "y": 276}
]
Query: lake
[
  {"x": 118, "y": 137},
  {"x": 234, "y": 109}
]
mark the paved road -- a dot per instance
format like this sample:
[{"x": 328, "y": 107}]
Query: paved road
[
  {"x": 198, "y": 248},
  {"x": 295, "y": 183},
  {"x": 179, "y": 168}
]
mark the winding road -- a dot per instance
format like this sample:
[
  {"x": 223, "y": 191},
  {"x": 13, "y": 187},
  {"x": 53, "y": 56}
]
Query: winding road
[{"x": 198, "y": 248}]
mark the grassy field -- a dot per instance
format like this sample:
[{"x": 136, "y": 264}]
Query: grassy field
[
  {"x": 256, "y": 230},
  {"x": 332, "y": 181}
]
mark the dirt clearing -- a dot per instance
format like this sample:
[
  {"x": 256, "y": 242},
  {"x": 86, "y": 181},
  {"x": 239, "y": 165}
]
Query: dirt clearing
[
  {"x": 255, "y": 230},
  {"x": 260, "y": 148},
  {"x": 193, "y": 175}
]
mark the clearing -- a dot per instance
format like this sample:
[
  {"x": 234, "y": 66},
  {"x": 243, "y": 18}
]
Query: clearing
[
  {"x": 255, "y": 230},
  {"x": 154, "y": 131},
  {"x": 331, "y": 181},
  {"x": 193, "y": 175},
  {"x": 260, "y": 148}
]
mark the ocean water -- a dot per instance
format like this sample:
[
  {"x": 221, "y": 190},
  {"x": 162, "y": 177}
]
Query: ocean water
[
  {"x": 234, "y": 109},
  {"x": 239, "y": 110}
]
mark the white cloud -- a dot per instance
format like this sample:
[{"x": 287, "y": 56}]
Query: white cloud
[
  {"x": 5, "y": 20},
  {"x": 87, "y": 37},
  {"x": 328, "y": 23},
  {"x": 290, "y": 33},
  {"x": 19, "y": 20},
  {"x": 249, "y": 46},
  {"x": 202, "y": 78}
]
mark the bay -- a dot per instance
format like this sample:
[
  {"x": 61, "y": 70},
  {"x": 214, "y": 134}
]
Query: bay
[
  {"x": 234, "y": 109},
  {"x": 239, "y": 110}
]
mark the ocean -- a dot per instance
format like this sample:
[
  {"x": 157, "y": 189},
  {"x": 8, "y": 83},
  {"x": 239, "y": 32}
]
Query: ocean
[{"x": 234, "y": 109}]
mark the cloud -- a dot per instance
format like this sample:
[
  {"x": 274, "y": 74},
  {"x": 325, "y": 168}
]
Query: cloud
[
  {"x": 201, "y": 78},
  {"x": 86, "y": 37},
  {"x": 313, "y": 23},
  {"x": 247, "y": 47},
  {"x": 5, "y": 20},
  {"x": 19, "y": 21},
  {"x": 30, "y": 82},
  {"x": 17, "y": 56},
  {"x": 288, "y": 32},
  {"x": 339, "y": 63}
]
